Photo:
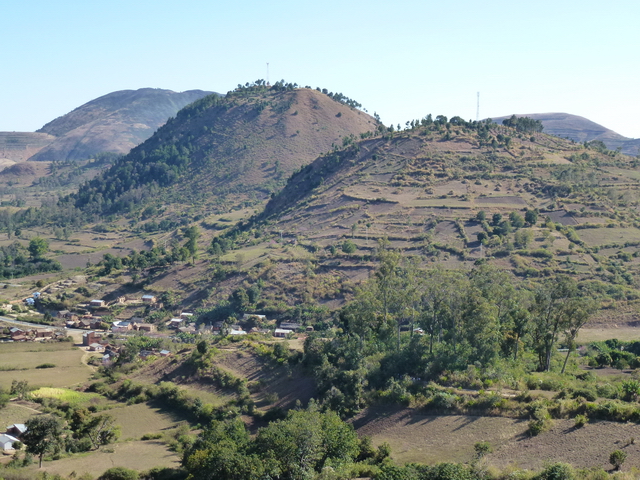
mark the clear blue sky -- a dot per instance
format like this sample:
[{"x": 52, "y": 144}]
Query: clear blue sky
[{"x": 402, "y": 59}]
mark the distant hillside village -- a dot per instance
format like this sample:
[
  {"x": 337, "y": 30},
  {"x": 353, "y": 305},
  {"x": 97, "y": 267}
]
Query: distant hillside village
[{"x": 102, "y": 327}]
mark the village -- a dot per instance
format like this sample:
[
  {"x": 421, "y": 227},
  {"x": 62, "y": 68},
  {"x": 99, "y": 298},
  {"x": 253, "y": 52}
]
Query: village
[{"x": 95, "y": 328}]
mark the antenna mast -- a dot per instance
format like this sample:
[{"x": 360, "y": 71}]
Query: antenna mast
[
  {"x": 268, "y": 84},
  {"x": 478, "y": 109}
]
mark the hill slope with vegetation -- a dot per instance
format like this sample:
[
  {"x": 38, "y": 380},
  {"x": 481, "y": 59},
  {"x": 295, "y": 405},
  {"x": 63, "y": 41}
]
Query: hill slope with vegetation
[
  {"x": 115, "y": 122},
  {"x": 228, "y": 150}
]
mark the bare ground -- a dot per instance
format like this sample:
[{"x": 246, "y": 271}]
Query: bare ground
[{"x": 415, "y": 437}]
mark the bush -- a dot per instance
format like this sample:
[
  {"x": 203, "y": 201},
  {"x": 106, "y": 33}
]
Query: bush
[
  {"x": 581, "y": 420},
  {"x": 46, "y": 365},
  {"x": 119, "y": 473},
  {"x": 617, "y": 458},
  {"x": 482, "y": 449},
  {"x": 558, "y": 471}
]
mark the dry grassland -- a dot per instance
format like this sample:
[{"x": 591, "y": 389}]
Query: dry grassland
[
  {"x": 136, "y": 455},
  {"x": 137, "y": 420},
  {"x": 69, "y": 370}
]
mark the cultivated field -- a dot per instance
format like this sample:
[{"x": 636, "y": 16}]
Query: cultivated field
[
  {"x": 450, "y": 438},
  {"x": 137, "y": 455},
  {"x": 19, "y": 361},
  {"x": 137, "y": 420}
]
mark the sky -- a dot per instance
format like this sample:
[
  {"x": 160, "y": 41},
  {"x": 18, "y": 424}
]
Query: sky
[{"x": 402, "y": 59}]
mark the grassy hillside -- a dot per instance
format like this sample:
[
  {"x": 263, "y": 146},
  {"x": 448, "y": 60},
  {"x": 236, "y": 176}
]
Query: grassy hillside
[{"x": 227, "y": 150}]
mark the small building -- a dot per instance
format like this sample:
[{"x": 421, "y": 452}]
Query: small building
[
  {"x": 84, "y": 323},
  {"x": 165, "y": 353},
  {"x": 20, "y": 338},
  {"x": 217, "y": 326},
  {"x": 290, "y": 325},
  {"x": 16, "y": 332},
  {"x": 144, "y": 327},
  {"x": 122, "y": 327},
  {"x": 17, "y": 429},
  {"x": 176, "y": 322},
  {"x": 44, "y": 333},
  {"x": 97, "y": 303},
  {"x": 281, "y": 332},
  {"x": 96, "y": 347},
  {"x": 186, "y": 316},
  {"x": 234, "y": 331},
  {"x": 95, "y": 323},
  {"x": 149, "y": 299},
  {"x": 7, "y": 441},
  {"x": 90, "y": 338}
]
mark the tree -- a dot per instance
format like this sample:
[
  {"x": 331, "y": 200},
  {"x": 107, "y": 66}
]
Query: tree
[
  {"x": 192, "y": 234},
  {"x": 531, "y": 217},
  {"x": 516, "y": 220},
  {"x": 617, "y": 458},
  {"x": 305, "y": 441},
  {"x": 43, "y": 435},
  {"x": 99, "y": 429},
  {"x": 552, "y": 314},
  {"x": 38, "y": 246},
  {"x": 119, "y": 473},
  {"x": 578, "y": 311},
  {"x": 349, "y": 247},
  {"x": 523, "y": 238}
]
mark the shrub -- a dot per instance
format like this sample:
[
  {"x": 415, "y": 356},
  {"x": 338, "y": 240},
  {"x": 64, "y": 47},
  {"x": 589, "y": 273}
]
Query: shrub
[
  {"x": 581, "y": 420},
  {"x": 536, "y": 427},
  {"x": 119, "y": 473},
  {"x": 587, "y": 393},
  {"x": 151, "y": 436},
  {"x": 482, "y": 449},
  {"x": 46, "y": 365},
  {"x": 617, "y": 458},
  {"x": 558, "y": 471}
]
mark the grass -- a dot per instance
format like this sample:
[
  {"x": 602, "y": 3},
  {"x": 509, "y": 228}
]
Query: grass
[
  {"x": 137, "y": 455},
  {"x": 604, "y": 236},
  {"x": 136, "y": 420},
  {"x": 595, "y": 334},
  {"x": 14, "y": 413},
  {"x": 432, "y": 439},
  {"x": 69, "y": 369}
]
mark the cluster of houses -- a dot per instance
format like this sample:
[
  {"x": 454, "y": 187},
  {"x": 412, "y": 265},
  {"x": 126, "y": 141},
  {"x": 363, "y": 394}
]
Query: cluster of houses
[
  {"x": 12, "y": 435},
  {"x": 25, "y": 334}
]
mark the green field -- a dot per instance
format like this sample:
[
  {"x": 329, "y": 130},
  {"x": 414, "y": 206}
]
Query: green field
[
  {"x": 136, "y": 420},
  {"x": 18, "y": 361},
  {"x": 136, "y": 455}
]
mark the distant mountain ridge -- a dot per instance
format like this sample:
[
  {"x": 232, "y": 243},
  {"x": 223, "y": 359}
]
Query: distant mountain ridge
[
  {"x": 115, "y": 122},
  {"x": 581, "y": 130}
]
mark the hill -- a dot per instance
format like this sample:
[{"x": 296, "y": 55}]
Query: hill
[
  {"x": 228, "y": 150},
  {"x": 20, "y": 146},
  {"x": 581, "y": 130},
  {"x": 115, "y": 122},
  {"x": 463, "y": 194}
]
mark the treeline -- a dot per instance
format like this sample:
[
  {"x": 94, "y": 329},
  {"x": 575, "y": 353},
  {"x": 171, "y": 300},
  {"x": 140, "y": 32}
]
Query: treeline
[
  {"x": 407, "y": 321},
  {"x": 17, "y": 261}
]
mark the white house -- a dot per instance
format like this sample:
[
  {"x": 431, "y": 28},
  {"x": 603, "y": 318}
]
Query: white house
[
  {"x": 7, "y": 441},
  {"x": 281, "y": 332}
]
